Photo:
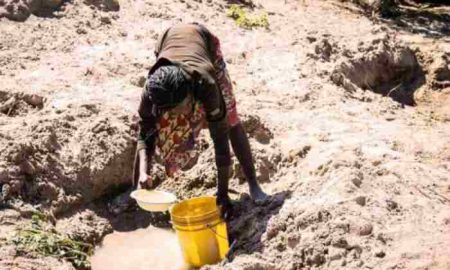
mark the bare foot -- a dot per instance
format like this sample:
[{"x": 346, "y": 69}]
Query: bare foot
[{"x": 257, "y": 194}]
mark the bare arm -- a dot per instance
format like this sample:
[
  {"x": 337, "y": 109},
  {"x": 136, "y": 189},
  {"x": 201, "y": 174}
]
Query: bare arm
[
  {"x": 143, "y": 163},
  {"x": 219, "y": 130},
  {"x": 141, "y": 179},
  {"x": 146, "y": 143},
  {"x": 219, "y": 134}
]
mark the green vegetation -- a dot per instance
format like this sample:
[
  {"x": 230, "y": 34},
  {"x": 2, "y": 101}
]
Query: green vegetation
[
  {"x": 245, "y": 20},
  {"x": 48, "y": 242}
]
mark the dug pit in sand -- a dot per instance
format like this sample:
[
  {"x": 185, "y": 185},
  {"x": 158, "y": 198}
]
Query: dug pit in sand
[{"x": 383, "y": 67}]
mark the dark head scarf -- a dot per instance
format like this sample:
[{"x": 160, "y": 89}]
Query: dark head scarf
[{"x": 168, "y": 86}]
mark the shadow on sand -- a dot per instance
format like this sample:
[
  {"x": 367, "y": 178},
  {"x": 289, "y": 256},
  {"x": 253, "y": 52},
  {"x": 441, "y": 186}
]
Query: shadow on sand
[
  {"x": 432, "y": 22},
  {"x": 249, "y": 222}
]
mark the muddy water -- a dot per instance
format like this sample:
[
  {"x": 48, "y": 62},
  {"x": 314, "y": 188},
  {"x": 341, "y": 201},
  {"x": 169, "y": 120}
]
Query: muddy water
[{"x": 143, "y": 249}]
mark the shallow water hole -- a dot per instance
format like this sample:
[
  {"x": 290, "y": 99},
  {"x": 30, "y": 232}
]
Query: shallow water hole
[{"x": 141, "y": 249}]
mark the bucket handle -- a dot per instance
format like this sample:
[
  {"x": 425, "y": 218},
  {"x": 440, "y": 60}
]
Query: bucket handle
[
  {"x": 209, "y": 226},
  {"x": 232, "y": 246}
]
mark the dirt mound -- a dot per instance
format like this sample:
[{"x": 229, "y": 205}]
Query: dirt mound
[
  {"x": 15, "y": 104},
  {"x": 256, "y": 129},
  {"x": 20, "y": 10},
  {"x": 440, "y": 71},
  {"x": 84, "y": 226},
  {"x": 69, "y": 155},
  {"x": 297, "y": 237},
  {"x": 384, "y": 66},
  {"x": 9, "y": 259},
  {"x": 316, "y": 236}
]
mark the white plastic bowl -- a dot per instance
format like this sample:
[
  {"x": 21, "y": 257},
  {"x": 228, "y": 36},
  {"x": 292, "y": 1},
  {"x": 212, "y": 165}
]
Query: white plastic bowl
[{"x": 153, "y": 200}]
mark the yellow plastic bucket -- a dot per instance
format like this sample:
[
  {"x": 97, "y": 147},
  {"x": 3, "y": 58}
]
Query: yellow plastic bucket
[{"x": 201, "y": 231}]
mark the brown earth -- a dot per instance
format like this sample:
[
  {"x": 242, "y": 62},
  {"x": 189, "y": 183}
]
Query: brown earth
[{"x": 358, "y": 178}]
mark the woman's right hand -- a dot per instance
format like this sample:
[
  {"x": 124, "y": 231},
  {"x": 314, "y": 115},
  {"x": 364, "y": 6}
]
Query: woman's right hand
[{"x": 144, "y": 181}]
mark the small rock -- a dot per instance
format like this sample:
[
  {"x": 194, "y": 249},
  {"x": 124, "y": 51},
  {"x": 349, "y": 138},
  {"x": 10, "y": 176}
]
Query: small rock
[
  {"x": 381, "y": 172},
  {"x": 112, "y": 5},
  {"x": 380, "y": 253},
  {"x": 311, "y": 39},
  {"x": 301, "y": 153},
  {"x": 355, "y": 253},
  {"x": 335, "y": 254},
  {"x": 292, "y": 241},
  {"x": 324, "y": 49},
  {"x": 347, "y": 53},
  {"x": 280, "y": 247},
  {"x": 256, "y": 129},
  {"x": 262, "y": 136},
  {"x": 356, "y": 181},
  {"x": 105, "y": 20},
  {"x": 391, "y": 205},
  {"x": 123, "y": 33},
  {"x": 81, "y": 31},
  {"x": 382, "y": 238},
  {"x": 263, "y": 174},
  {"x": 361, "y": 200},
  {"x": 376, "y": 162},
  {"x": 8, "y": 105},
  {"x": 447, "y": 221},
  {"x": 365, "y": 229},
  {"x": 34, "y": 100},
  {"x": 69, "y": 118},
  {"x": 339, "y": 243}
]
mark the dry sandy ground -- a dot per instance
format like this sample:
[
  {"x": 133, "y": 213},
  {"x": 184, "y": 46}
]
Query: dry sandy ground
[{"x": 358, "y": 180}]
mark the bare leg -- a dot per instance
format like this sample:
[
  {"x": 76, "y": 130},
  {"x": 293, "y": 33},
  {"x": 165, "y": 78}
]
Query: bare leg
[
  {"x": 238, "y": 137},
  {"x": 241, "y": 148},
  {"x": 223, "y": 201}
]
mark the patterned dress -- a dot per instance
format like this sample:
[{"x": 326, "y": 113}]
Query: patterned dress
[{"x": 177, "y": 133}]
